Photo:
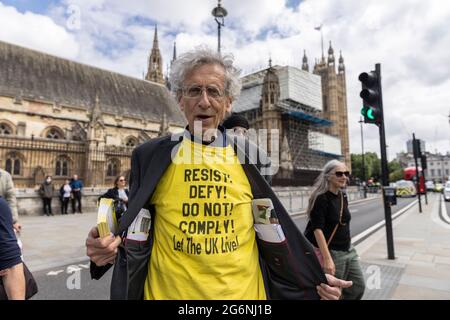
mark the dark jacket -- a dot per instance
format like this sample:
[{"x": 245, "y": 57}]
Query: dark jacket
[
  {"x": 113, "y": 193},
  {"x": 61, "y": 192},
  {"x": 46, "y": 190},
  {"x": 290, "y": 269},
  {"x": 76, "y": 184},
  {"x": 9, "y": 249}
]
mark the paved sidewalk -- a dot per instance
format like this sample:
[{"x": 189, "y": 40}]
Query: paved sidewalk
[
  {"x": 420, "y": 271},
  {"x": 56, "y": 240},
  {"x": 422, "y": 250}
]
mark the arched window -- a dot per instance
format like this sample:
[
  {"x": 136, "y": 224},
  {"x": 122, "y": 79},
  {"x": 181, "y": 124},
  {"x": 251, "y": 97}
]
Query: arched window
[
  {"x": 113, "y": 168},
  {"x": 5, "y": 129},
  {"x": 131, "y": 142},
  {"x": 62, "y": 167},
  {"x": 13, "y": 165},
  {"x": 54, "y": 133}
]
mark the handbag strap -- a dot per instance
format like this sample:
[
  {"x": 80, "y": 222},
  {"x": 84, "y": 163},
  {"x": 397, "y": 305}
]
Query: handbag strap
[{"x": 340, "y": 217}]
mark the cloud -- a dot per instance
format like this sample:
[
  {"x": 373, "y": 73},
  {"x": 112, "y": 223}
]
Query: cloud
[
  {"x": 409, "y": 38},
  {"x": 36, "y": 31}
]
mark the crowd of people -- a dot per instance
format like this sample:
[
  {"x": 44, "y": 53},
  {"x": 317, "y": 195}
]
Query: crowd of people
[{"x": 71, "y": 190}]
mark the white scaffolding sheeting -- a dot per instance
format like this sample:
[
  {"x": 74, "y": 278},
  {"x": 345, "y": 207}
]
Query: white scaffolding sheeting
[
  {"x": 324, "y": 143},
  {"x": 296, "y": 85}
]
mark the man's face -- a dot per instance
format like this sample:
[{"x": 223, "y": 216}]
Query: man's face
[
  {"x": 207, "y": 110},
  {"x": 75, "y": 177}
]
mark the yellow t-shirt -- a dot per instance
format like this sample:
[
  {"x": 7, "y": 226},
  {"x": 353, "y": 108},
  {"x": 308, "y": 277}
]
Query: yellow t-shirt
[{"x": 204, "y": 242}]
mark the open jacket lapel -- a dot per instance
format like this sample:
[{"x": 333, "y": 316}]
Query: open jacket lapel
[{"x": 155, "y": 169}]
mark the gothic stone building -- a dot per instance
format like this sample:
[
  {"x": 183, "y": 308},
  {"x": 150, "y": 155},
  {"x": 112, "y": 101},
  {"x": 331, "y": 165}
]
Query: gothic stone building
[
  {"x": 309, "y": 110},
  {"x": 59, "y": 117}
]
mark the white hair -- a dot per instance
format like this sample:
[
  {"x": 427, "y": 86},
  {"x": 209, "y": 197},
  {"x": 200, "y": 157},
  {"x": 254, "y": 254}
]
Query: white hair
[
  {"x": 200, "y": 56},
  {"x": 321, "y": 184}
]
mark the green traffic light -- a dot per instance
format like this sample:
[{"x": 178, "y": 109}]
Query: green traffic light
[{"x": 367, "y": 112}]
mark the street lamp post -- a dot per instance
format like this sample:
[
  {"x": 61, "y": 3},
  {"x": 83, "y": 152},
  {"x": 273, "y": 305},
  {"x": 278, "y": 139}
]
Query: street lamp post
[
  {"x": 219, "y": 13},
  {"x": 361, "y": 121}
]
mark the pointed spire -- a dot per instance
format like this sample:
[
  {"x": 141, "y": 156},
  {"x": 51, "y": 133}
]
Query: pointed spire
[
  {"x": 305, "y": 65},
  {"x": 155, "y": 38},
  {"x": 155, "y": 63},
  {"x": 341, "y": 68},
  {"x": 96, "y": 111},
  {"x": 270, "y": 62},
  {"x": 330, "y": 55},
  {"x": 174, "y": 51},
  {"x": 330, "y": 49}
]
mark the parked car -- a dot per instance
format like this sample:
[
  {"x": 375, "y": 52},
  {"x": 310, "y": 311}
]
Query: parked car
[
  {"x": 447, "y": 191},
  {"x": 438, "y": 187},
  {"x": 430, "y": 185},
  {"x": 406, "y": 188}
]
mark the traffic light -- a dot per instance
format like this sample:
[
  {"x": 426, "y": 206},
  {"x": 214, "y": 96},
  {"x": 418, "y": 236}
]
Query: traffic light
[
  {"x": 423, "y": 161},
  {"x": 371, "y": 95},
  {"x": 416, "y": 148}
]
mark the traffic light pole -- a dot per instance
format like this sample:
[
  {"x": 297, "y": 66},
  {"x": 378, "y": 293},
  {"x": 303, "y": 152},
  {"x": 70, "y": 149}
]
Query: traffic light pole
[
  {"x": 423, "y": 165},
  {"x": 416, "y": 153},
  {"x": 385, "y": 173},
  {"x": 426, "y": 191},
  {"x": 362, "y": 163}
]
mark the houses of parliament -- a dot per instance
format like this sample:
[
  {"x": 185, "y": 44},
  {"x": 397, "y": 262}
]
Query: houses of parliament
[{"x": 59, "y": 117}]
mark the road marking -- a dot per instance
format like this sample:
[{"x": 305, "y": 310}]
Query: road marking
[
  {"x": 54, "y": 273},
  {"x": 72, "y": 269},
  {"x": 356, "y": 239}
]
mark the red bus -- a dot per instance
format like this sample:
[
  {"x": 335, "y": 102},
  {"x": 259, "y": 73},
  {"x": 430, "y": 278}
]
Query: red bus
[{"x": 410, "y": 174}]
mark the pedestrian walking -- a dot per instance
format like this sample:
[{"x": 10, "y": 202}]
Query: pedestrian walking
[
  {"x": 46, "y": 191},
  {"x": 328, "y": 228},
  {"x": 64, "y": 194},
  {"x": 12, "y": 278},
  {"x": 77, "y": 187},
  {"x": 119, "y": 193},
  {"x": 8, "y": 192}
]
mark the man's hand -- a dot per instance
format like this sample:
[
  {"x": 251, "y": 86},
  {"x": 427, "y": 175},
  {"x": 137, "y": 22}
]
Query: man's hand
[
  {"x": 334, "y": 289},
  {"x": 102, "y": 250},
  {"x": 18, "y": 227}
]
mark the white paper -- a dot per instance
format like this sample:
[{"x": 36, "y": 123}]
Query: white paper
[
  {"x": 139, "y": 229},
  {"x": 270, "y": 232}
]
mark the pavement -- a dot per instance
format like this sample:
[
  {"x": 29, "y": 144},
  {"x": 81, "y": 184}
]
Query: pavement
[
  {"x": 420, "y": 270},
  {"x": 421, "y": 266},
  {"x": 56, "y": 240}
]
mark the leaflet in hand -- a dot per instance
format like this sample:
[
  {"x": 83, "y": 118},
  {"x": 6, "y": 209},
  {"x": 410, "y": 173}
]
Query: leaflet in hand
[
  {"x": 106, "y": 217},
  {"x": 270, "y": 232}
]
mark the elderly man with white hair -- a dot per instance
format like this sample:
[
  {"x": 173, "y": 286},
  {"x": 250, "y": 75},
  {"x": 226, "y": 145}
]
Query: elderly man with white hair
[{"x": 198, "y": 194}]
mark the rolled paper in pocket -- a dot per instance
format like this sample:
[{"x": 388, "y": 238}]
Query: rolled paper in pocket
[
  {"x": 270, "y": 232},
  {"x": 262, "y": 209}
]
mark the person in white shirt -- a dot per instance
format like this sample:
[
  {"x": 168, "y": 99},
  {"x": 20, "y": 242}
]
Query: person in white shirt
[{"x": 64, "y": 193}]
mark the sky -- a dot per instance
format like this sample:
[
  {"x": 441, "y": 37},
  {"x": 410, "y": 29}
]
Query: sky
[{"x": 410, "y": 38}]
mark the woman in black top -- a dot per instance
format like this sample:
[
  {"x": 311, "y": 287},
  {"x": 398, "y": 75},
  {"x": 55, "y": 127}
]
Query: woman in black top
[
  {"x": 119, "y": 193},
  {"x": 328, "y": 228}
]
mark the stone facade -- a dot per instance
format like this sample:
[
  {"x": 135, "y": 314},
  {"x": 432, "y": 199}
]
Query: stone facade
[
  {"x": 59, "y": 118},
  {"x": 334, "y": 91}
]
